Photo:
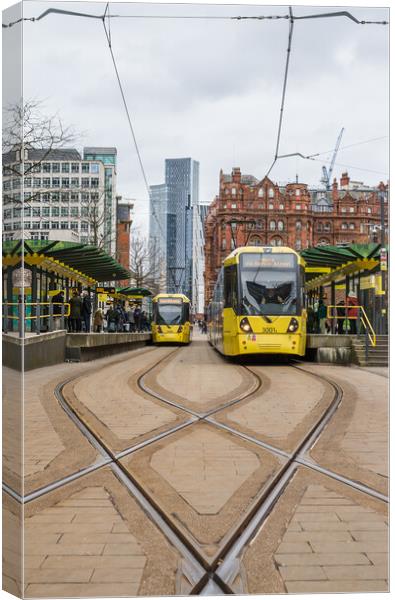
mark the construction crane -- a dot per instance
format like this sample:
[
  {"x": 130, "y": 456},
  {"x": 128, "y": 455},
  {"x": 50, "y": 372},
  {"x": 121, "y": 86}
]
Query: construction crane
[{"x": 326, "y": 176}]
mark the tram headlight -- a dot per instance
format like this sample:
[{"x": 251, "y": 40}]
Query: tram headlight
[
  {"x": 293, "y": 325},
  {"x": 245, "y": 325}
]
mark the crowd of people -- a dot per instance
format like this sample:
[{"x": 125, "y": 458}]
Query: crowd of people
[
  {"x": 116, "y": 319},
  {"x": 346, "y": 316}
]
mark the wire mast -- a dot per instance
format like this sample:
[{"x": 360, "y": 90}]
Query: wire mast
[{"x": 327, "y": 177}]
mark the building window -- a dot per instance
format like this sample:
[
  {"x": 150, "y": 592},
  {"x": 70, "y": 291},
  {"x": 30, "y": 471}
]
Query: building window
[
  {"x": 74, "y": 197},
  {"x": 259, "y": 224},
  {"x": 298, "y": 244},
  {"x": 298, "y": 207},
  {"x": 55, "y": 168},
  {"x": 343, "y": 209},
  {"x": 327, "y": 227},
  {"x": 64, "y": 225},
  {"x": 65, "y": 196},
  {"x": 270, "y": 206},
  {"x": 55, "y": 182},
  {"x": 7, "y": 213},
  {"x": 94, "y": 168},
  {"x": 281, "y": 206},
  {"x": 85, "y": 167},
  {"x": 46, "y": 182},
  {"x": 233, "y": 191},
  {"x": 260, "y": 205},
  {"x": 233, "y": 205},
  {"x": 75, "y": 167},
  {"x": 27, "y": 211},
  {"x": 369, "y": 210},
  {"x": 223, "y": 244},
  {"x": 74, "y": 225},
  {"x": 45, "y": 225},
  {"x": 95, "y": 182},
  {"x": 55, "y": 225},
  {"x": 272, "y": 225},
  {"x": 256, "y": 241},
  {"x": 65, "y": 182},
  {"x": 65, "y": 167},
  {"x": 224, "y": 206},
  {"x": 27, "y": 182},
  {"x": 55, "y": 211},
  {"x": 344, "y": 225},
  {"x": 74, "y": 211},
  {"x": 85, "y": 182},
  {"x": 276, "y": 241},
  {"x": 46, "y": 167},
  {"x": 45, "y": 211},
  {"x": 84, "y": 226},
  {"x": 55, "y": 197},
  {"x": 26, "y": 225},
  {"x": 297, "y": 192},
  {"x": 298, "y": 225},
  {"x": 35, "y": 168},
  {"x": 45, "y": 197},
  {"x": 351, "y": 226},
  {"x": 75, "y": 182},
  {"x": 280, "y": 225},
  {"x": 260, "y": 193},
  {"x": 36, "y": 212},
  {"x": 36, "y": 225},
  {"x": 271, "y": 193},
  {"x": 37, "y": 182},
  {"x": 64, "y": 211}
]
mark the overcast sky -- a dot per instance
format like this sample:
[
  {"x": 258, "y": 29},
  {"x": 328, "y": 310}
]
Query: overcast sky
[{"x": 211, "y": 89}]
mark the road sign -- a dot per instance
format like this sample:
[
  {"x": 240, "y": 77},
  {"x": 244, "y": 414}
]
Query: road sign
[{"x": 22, "y": 278}]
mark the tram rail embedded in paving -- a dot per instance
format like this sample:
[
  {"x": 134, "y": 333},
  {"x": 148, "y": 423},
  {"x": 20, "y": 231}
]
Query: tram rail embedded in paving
[
  {"x": 258, "y": 303},
  {"x": 171, "y": 319}
]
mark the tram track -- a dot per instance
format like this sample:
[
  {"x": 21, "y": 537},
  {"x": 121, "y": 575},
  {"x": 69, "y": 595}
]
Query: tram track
[{"x": 214, "y": 576}]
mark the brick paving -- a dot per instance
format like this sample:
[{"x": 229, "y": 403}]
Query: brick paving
[
  {"x": 355, "y": 442},
  {"x": 275, "y": 414},
  {"x": 322, "y": 537}
]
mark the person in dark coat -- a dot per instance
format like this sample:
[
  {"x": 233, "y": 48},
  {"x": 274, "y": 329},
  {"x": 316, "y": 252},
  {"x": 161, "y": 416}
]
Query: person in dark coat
[
  {"x": 87, "y": 311},
  {"x": 112, "y": 317},
  {"x": 75, "y": 312},
  {"x": 57, "y": 302},
  {"x": 341, "y": 313}
]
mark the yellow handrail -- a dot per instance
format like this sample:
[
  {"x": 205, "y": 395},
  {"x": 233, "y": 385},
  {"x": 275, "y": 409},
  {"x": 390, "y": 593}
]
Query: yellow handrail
[
  {"x": 66, "y": 312},
  {"x": 363, "y": 316}
]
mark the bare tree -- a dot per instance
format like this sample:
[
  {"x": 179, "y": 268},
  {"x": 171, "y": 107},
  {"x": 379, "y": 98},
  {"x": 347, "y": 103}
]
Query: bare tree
[{"x": 144, "y": 258}]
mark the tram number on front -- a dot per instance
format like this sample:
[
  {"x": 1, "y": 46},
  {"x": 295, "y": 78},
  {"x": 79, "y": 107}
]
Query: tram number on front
[{"x": 269, "y": 330}]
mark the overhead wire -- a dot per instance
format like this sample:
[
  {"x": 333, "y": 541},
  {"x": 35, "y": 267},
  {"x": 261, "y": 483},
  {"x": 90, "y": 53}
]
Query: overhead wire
[
  {"x": 290, "y": 33},
  {"x": 135, "y": 143}
]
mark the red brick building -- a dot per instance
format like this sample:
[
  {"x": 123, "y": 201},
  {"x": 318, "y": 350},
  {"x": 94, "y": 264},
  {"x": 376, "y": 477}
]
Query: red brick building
[
  {"x": 124, "y": 223},
  {"x": 252, "y": 212}
]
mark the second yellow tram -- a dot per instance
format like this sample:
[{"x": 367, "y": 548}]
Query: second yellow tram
[
  {"x": 171, "y": 319},
  {"x": 258, "y": 303}
]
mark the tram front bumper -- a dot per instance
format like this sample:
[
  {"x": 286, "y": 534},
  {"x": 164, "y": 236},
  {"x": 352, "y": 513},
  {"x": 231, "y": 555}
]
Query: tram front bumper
[{"x": 280, "y": 343}]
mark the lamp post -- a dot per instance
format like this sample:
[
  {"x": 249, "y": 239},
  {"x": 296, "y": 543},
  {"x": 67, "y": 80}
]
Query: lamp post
[{"x": 383, "y": 263}]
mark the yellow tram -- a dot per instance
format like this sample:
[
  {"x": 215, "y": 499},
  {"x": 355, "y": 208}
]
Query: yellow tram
[
  {"x": 258, "y": 303},
  {"x": 170, "y": 319}
]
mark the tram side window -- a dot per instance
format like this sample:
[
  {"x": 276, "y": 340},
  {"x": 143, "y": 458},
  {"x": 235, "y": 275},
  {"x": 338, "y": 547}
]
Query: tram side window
[
  {"x": 230, "y": 288},
  {"x": 186, "y": 312}
]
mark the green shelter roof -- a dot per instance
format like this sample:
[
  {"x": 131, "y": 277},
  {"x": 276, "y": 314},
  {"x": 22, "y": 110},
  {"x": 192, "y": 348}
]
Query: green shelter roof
[
  {"x": 93, "y": 262},
  {"x": 134, "y": 291},
  {"x": 336, "y": 256}
]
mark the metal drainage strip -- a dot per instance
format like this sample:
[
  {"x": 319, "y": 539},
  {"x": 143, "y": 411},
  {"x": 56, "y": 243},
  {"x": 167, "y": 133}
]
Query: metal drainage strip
[{"x": 191, "y": 568}]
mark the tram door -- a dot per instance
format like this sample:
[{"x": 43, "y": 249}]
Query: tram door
[{"x": 230, "y": 312}]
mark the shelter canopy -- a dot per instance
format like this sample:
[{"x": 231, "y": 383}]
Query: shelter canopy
[{"x": 81, "y": 262}]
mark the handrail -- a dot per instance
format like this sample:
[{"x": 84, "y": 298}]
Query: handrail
[
  {"x": 41, "y": 316},
  {"x": 364, "y": 318}
]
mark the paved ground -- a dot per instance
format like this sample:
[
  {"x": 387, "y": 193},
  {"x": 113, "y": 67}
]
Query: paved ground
[
  {"x": 91, "y": 537},
  {"x": 322, "y": 536},
  {"x": 355, "y": 443}
]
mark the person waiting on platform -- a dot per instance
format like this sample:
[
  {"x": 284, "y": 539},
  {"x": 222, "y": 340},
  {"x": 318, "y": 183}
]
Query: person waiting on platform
[
  {"x": 98, "y": 319},
  {"x": 57, "y": 301},
  {"x": 112, "y": 320},
  {"x": 75, "y": 313},
  {"x": 87, "y": 311},
  {"x": 322, "y": 314},
  {"x": 341, "y": 313},
  {"x": 352, "y": 312}
]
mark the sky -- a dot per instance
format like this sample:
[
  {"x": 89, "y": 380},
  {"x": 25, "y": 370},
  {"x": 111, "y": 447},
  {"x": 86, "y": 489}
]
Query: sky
[{"x": 211, "y": 89}]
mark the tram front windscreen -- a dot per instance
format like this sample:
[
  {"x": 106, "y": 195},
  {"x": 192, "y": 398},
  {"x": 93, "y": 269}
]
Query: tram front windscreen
[
  {"x": 268, "y": 284},
  {"x": 169, "y": 313}
]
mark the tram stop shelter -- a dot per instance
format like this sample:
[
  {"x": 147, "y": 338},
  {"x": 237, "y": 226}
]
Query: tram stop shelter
[
  {"x": 35, "y": 270},
  {"x": 333, "y": 271},
  {"x": 137, "y": 295}
]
